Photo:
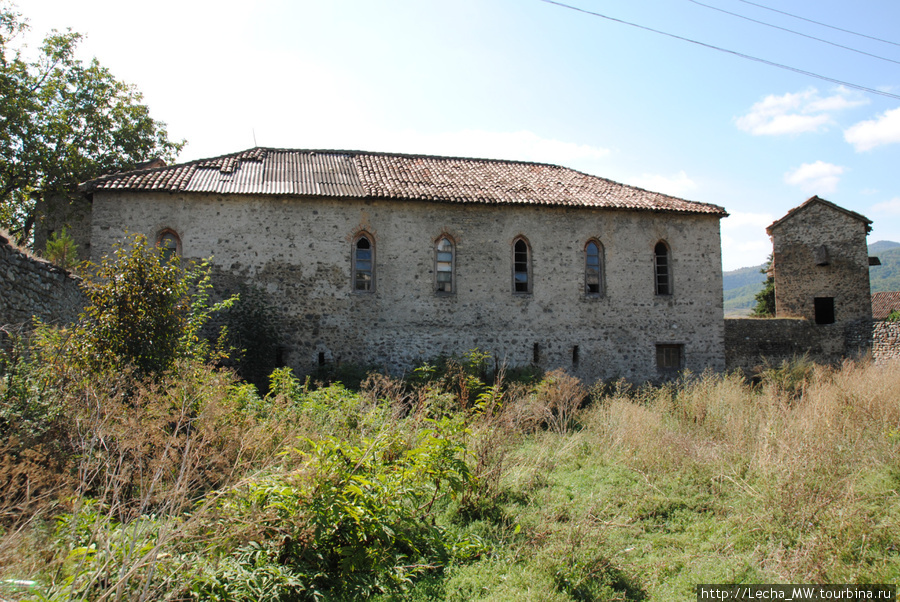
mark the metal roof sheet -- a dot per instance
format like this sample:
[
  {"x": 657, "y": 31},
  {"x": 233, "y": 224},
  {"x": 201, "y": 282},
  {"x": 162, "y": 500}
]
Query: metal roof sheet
[{"x": 264, "y": 171}]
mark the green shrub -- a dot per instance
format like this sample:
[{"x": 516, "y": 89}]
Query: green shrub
[
  {"x": 144, "y": 310},
  {"x": 353, "y": 521}
]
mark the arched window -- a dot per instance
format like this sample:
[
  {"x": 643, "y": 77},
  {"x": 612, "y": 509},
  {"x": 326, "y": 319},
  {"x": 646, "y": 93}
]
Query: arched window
[
  {"x": 169, "y": 244},
  {"x": 593, "y": 268},
  {"x": 521, "y": 266},
  {"x": 444, "y": 257},
  {"x": 363, "y": 264},
  {"x": 663, "y": 267}
]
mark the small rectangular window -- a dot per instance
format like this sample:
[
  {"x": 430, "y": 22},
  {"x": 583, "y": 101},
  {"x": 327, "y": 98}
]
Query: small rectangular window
[
  {"x": 824, "y": 307},
  {"x": 669, "y": 358}
]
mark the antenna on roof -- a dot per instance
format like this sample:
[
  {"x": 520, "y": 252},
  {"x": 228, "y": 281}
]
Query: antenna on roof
[{"x": 254, "y": 137}]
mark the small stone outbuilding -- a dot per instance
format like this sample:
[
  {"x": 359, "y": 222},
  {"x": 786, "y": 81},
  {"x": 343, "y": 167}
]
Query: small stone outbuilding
[{"x": 823, "y": 307}]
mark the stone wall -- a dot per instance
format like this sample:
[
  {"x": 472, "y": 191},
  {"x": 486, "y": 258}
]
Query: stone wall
[
  {"x": 299, "y": 251},
  {"x": 33, "y": 287},
  {"x": 750, "y": 342},
  {"x": 886, "y": 341}
]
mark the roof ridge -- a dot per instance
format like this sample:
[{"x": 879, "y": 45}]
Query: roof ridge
[{"x": 380, "y": 174}]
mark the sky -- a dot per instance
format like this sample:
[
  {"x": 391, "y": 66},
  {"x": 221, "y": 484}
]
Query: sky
[{"x": 679, "y": 110}]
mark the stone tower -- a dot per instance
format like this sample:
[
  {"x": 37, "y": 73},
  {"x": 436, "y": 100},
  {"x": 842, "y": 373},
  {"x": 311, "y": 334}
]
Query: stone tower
[{"x": 820, "y": 264}]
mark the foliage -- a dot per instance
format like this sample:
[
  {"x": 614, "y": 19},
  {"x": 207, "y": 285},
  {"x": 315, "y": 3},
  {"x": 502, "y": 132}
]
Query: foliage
[
  {"x": 765, "y": 299},
  {"x": 399, "y": 491},
  {"x": 62, "y": 250},
  {"x": 145, "y": 311},
  {"x": 894, "y": 316},
  {"x": 64, "y": 122},
  {"x": 353, "y": 521}
]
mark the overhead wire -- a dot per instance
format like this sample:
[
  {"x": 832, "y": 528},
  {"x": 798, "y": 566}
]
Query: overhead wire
[
  {"x": 855, "y": 33},
  {"x": 727, "y": 51},
  {"x": 739, "y": 16}
]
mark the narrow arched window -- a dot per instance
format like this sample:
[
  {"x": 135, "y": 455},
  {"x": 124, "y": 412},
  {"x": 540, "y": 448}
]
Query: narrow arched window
[
  {"x": 444, "y": 266},
  {"x": 521, "y": 266},
  {"x": 593, "y": 268},
  {"x": 363, "y": 264},
  {"x": 663, "y": 268},
  {"x": 169, "y": 244}
]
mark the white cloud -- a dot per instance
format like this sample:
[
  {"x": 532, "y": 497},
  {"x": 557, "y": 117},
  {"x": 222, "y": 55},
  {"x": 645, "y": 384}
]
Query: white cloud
[
  {"x": 677, "y": 185},
  {"x": 815, "y": 177},
  {"x": 884, "y": 129},
  {"x": 891, "y": 207},
  {"x": 796, "y": 113}
]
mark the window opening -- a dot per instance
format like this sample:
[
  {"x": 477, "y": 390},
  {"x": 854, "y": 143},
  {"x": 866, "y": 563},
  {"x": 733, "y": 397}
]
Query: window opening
[
  {"x": 663, "y": 269},
  {"x": 169, "y": 244},
  {"x": 669, "y": 358},
  {"x": 363, "y": 265},
  {"x": 824, "y": 307},
  {"x": 443, "y": 266},
  {"x": 536, "y": 354},
  {"x": 592, "y": 269},
  {"x": 575, "y": 356},
  {"x": 521, "y": 267}
]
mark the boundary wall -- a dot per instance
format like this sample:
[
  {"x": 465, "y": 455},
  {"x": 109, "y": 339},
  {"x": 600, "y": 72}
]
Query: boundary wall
[{"x": 32, "y": 287}]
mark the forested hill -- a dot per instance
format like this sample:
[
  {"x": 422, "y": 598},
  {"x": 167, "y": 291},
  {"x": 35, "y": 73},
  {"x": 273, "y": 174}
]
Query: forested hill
[
  {"x": 885, "y": 277},
  {"x": 740, "y": 286}
]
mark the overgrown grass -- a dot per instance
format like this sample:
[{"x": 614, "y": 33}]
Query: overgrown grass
[{"x": 453, "y": 485}]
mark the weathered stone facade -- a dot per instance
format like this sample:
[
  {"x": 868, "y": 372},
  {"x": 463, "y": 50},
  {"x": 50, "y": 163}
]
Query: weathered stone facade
[
  {"x": 820, "y": 257},
  {"x": 299, "y": 249},
  {"x": 31, "y": 287}
]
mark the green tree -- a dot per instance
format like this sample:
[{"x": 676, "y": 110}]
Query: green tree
[
  {"x": 63, "y": 122},
  {"x": 62, "y": 250},
  {"x": 765, "y": 299}
]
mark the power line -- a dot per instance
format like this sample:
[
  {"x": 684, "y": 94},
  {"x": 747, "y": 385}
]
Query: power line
[
  {"x": 722, "y": 10},
  {"x": 862, "y": 35},
  {"x": 734, "y": 52}
]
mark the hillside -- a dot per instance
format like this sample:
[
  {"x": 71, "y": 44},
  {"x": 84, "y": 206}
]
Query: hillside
[
  {"x": 885, "y": 277},
  {"x": 739, "y": 287}
]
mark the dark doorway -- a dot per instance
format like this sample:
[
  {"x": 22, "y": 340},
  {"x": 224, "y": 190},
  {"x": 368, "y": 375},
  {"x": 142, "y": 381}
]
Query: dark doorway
[{"x": 824, "y": 310}]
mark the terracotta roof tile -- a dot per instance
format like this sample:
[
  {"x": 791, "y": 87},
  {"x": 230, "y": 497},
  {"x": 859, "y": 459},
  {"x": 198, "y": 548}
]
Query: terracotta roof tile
[
  {"x": 884, "y": 303},
  {"x": 396, "y": 176}
]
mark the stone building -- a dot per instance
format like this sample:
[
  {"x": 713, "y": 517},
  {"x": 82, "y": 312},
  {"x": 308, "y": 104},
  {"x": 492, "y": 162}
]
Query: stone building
[
  {"x": 820, "y": 263},
  {"x": 388, "y": 259},
  {"x": 823, "y": 307}
]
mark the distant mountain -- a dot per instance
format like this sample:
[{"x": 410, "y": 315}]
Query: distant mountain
[
  {"x": 739, "y": 287},
  {"x": 885, "y": 277},
  {"x": 882, "y": 245}
]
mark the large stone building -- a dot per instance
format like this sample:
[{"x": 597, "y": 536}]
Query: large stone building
[{"x": 388, "y": 259}]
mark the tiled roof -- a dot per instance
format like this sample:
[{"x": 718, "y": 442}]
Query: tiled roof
[
  {"x": 396, "y": 176},
  {"x": 816, "y": 200},
  {"x": 884, "y": 303}
]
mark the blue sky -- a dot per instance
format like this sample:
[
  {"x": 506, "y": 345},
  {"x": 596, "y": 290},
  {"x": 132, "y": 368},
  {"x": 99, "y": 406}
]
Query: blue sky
[{"x": 529, "y": 80}]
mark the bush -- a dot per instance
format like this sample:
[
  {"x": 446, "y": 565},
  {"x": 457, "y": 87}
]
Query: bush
[
  {"x": 144, "y": 310},
  {"x": 353, "y": 521}
]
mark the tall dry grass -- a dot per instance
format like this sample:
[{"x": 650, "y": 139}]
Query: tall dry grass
[{"x": 811, "y": 465}]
